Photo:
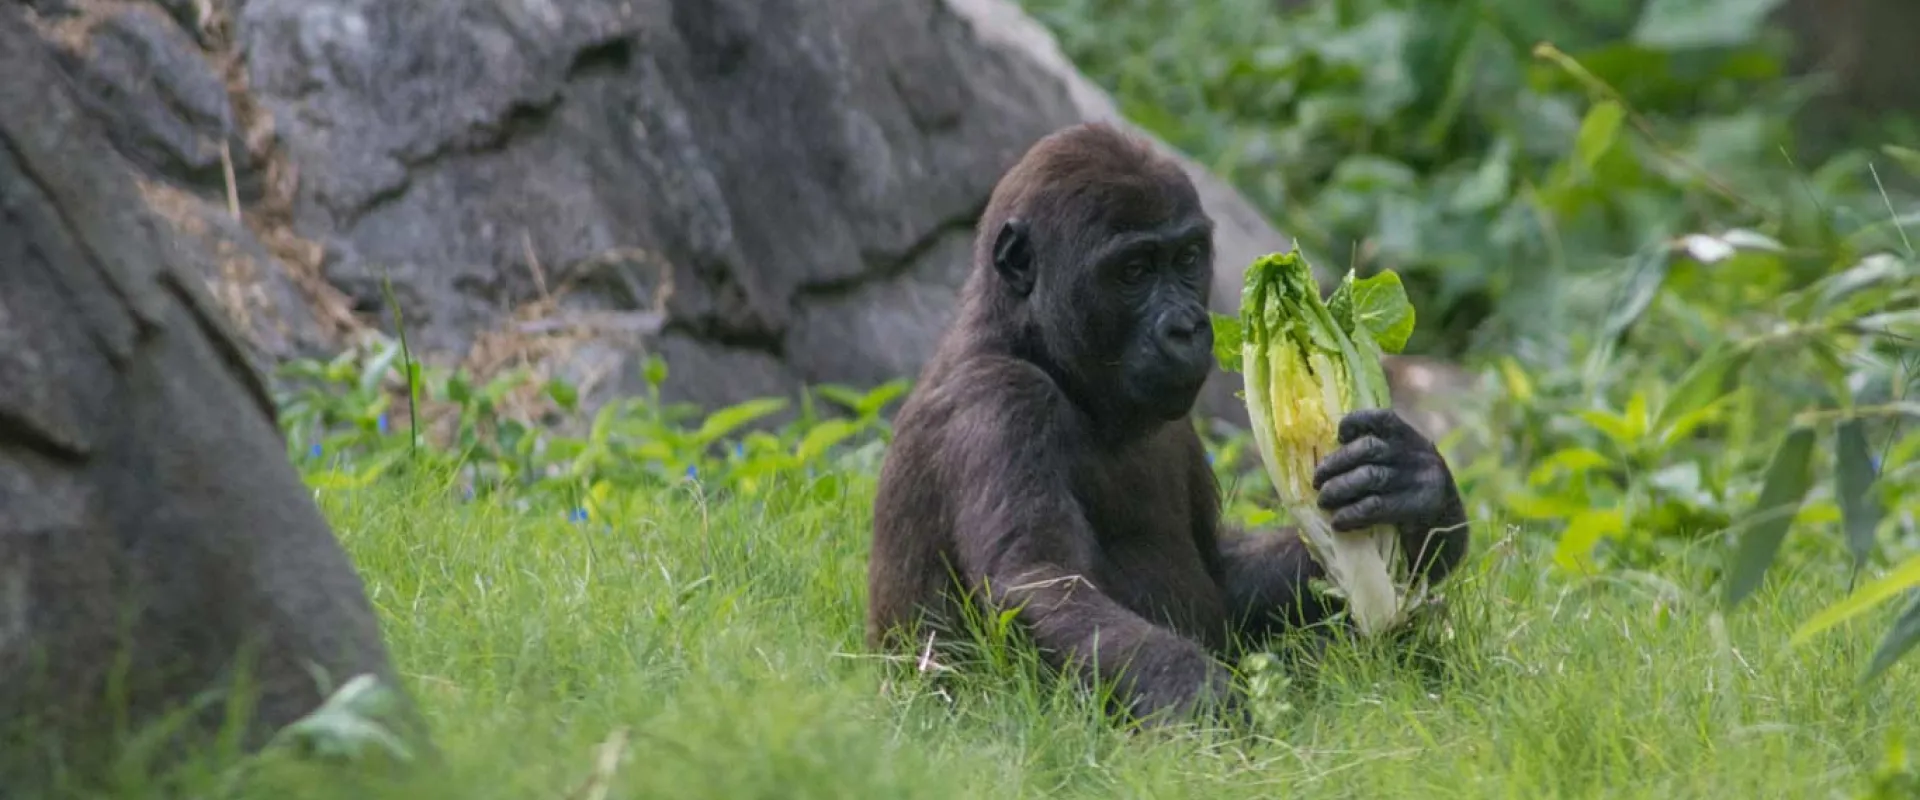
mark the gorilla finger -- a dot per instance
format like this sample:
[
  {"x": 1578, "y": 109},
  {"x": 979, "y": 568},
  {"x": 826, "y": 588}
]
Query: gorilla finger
[
  {"x": 1352, "y": 456},
  {"x": 1380, "y": 422},
  {"x": 1352, "y": 487},
  {"x": 1367, "y": 512}
]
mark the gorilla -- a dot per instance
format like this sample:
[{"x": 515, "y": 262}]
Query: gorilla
[{"x": 1045, "y": 460}]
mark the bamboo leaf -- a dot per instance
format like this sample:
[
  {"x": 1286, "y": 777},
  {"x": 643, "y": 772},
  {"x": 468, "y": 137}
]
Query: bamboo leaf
[
  {"x": 1853, "y": 478},
  {"x": 1904, "y": 577},
  {"x": 1789, "y": 476},
  {"x": 1899, "y": 639},
  {"x": 1597, "y": 132},
  {"x": 1707, "y": 380}
]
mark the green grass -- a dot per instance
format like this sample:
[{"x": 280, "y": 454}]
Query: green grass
[{"x": 719, "y": 644}]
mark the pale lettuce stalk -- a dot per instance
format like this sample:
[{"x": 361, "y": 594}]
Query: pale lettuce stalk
[{"x": 1307, "y": 363}]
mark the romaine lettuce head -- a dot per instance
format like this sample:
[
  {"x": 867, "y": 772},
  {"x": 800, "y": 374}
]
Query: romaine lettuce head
[{"x": 1306, "y": 364}]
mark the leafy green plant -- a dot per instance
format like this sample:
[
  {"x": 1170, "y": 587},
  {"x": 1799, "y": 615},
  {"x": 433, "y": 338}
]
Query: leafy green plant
[
  {"x": 1436, "y": 139},
  {"x": 497, "y": 438}
]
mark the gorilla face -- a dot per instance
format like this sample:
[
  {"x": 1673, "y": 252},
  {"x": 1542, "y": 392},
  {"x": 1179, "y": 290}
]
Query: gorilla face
[
  {"x": 1118, "y": 292},
  {"x": 1155, "y": 285}
]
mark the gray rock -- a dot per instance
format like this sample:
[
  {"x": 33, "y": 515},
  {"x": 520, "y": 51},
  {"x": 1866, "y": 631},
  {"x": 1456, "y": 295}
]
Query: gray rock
[
  {"x": 793, "y": 185},
  {"x": 808, "y": 174},
  {"x": 165, "y": 106},
  {"x": 142, "y": 478}
]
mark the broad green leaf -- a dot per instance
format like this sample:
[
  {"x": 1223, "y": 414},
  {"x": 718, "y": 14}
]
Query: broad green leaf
[
  {"x": 844, "y": 396},
  {"x": 1900, "y": 638},
  {"x": 1381, "y": 307},
  {"x": 1575, "y": 549},
  {"x": 876, "y": 400},
  {"x": 1818, "y": 511},
  {"x": 1903, "y": 323},
  {"x": 1789, "y": 476},
  {"x": 1228, "y": 339},
  {"x": 653, "y": 450},
  {"x": 1687, "y": 24},
  {"x": 1904, "y": 577},
  {"x": 821, "y": 437},
  {"x": 1646, "y": 272},
  {"x": 1340, "y": 302},
  {"x": 1691, "y": 420},
  {"x": 563, "y": 394},
  {"x": 1853, "y": 484},
  {"x": 1623, "y": 429},
  {"x": 459, "y": 390},
  {"x": 1530, "y": 506},
  {"x": 654, "y": 370},
  {"x": 1369, "y": 371},
  {"x": 1873, "y": 270},
  {"x": 1636, "y": 411},
  {"x": 1597, "y": 132},
  {"x": 727, "y": 420},
  {"x": 828, "y": 488},
  {"x": 1574, "y": 460}
]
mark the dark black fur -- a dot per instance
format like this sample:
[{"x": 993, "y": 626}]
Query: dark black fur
[{"x": 1045, "y": 456}]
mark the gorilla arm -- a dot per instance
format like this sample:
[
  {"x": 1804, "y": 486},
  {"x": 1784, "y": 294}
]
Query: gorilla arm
[
  {"x": 1025, "y": 543},
  {"x": 1264, "y": 576}
]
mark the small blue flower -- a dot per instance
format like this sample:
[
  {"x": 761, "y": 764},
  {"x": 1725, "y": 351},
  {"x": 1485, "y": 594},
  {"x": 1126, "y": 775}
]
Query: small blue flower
[
  {"x": 1209, "y": 458},
  {"x": 577, "y": 515},
  {"x": 739, "y": 449},
  {"x": 383, "y": 424},
  {"x": 314, "y": 451},
  {"x": 693, "y": 473}
]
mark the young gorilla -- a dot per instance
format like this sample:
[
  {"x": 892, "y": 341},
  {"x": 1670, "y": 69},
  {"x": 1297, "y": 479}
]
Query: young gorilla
[{"x": 1045, "y": 458}]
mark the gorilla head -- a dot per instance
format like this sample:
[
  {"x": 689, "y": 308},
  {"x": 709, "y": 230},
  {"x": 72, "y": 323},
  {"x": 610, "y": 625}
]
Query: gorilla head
[{"x": 1103, "y": 258}]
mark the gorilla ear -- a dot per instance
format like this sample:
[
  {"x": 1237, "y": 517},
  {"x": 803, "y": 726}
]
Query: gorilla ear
[{"x": 1013, "y": 256}]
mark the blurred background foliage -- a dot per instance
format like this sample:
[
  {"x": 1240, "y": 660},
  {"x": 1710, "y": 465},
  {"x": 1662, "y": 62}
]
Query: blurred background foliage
[{"x": 1427, "y": 137}]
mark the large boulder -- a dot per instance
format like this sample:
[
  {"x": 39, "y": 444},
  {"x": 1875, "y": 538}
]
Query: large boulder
[
  {"x": 154, "y": 539},
  {"x": 766, "y": 192}
]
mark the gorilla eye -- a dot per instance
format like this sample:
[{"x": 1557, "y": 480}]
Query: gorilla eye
[
  {"x": 1135, "y": 271},
  {"x": 1189, "y": 256}
]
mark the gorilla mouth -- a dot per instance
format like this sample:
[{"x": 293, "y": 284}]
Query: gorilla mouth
[{"x": 1174, "y": 393}]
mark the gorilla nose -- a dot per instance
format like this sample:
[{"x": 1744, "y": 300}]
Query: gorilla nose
[{"x": 1183, "y": 329}]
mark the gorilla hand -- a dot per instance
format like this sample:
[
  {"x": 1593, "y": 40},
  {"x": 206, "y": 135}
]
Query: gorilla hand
[
  {"x": 1180, "y": 682},
  {"x": 1387, "y": 473}
]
